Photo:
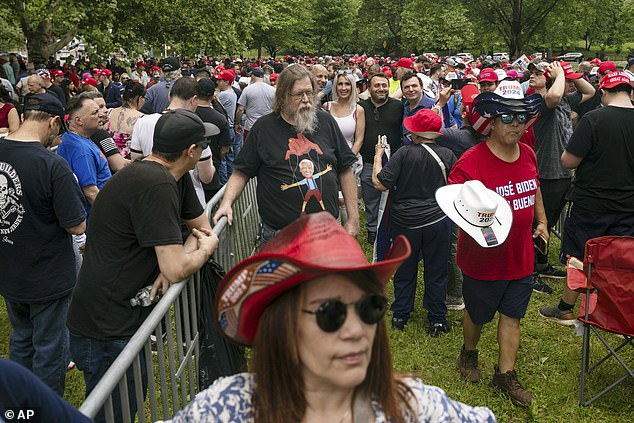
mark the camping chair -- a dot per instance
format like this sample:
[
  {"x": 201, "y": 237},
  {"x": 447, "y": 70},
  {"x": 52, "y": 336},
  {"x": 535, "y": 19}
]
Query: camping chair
[{"x": 608, "y": 301}]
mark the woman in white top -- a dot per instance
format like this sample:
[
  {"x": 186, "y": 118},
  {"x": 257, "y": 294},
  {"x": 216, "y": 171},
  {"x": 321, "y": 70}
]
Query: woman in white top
[{"x": 344, "y": 108}]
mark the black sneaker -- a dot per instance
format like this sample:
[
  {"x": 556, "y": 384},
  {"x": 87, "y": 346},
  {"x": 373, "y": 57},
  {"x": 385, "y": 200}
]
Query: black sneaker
[
  {"x": 398, "y": 323},
  {"x": 371, "y": 237},
  {"x": 437, "y": 329},
  {"x": 552, "y": 272},
  {"x": 540, "y": 286}
]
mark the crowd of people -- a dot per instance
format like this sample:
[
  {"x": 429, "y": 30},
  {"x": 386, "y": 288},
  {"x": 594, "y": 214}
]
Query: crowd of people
[{"x": 105, "y": 172}]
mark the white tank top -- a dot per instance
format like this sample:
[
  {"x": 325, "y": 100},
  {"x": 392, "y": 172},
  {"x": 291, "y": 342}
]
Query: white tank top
[{"x": 348, "y": 126}]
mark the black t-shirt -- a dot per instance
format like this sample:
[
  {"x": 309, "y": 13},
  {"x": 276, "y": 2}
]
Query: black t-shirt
[
  {"x": 139, "y": 208},
  {"x": 276, "y": 154},
  {"x": 604, "y": 180},
  {"x": 104, "y": 141},
  {"x": 384, "y": 120},
  {"x": 459, "y": 140},
  {"x": 414, "y": 175},
  {"x": 223, "y": 139},
  {"x": 594, "y": 102},
  {"x": 39, "y": 197}
]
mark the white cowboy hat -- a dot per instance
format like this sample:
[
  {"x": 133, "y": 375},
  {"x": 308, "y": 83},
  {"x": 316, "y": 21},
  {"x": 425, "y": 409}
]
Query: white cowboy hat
[{"x": 483, "y": 214}]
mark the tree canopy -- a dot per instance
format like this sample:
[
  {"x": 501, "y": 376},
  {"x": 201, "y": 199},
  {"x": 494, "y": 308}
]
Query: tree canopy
[{"x": 318, "y": 26}]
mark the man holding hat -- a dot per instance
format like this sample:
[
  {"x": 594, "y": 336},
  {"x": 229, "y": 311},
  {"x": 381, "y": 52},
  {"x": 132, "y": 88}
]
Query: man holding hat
[
  {"x": 602, "y": 193},
  {"x": 135, "y": 240},
  {"x": 552, "y": 132},
  {"x": 40, "y": 207},
  {"x": 494, "y": 204}
]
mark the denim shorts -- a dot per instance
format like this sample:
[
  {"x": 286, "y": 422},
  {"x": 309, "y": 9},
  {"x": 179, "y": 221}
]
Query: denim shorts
[{"x": 483, "y": 298}]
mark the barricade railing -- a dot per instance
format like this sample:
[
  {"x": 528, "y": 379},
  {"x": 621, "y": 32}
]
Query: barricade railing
[{"x": 171, "y": 355}]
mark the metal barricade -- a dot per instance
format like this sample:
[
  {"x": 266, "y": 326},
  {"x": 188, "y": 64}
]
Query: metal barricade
[{"x": 171, "y": 355}]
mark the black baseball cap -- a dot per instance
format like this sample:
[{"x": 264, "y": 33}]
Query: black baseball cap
[
  {"x": 257, "y": 72},
  {"x": 177, "y": 129},
  {"x": 45, "y": 102},
  {"x": 170, "y": 64},
  {"x": 206, "y": 87}
]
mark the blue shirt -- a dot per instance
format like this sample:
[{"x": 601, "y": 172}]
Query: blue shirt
[
  {"x": 425, "y": 102},
  {"x": 88, "y": 162}
]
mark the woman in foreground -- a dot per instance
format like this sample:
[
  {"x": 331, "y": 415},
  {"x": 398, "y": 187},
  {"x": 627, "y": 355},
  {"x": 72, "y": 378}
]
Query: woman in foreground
[{"x": 312, "y": 308}]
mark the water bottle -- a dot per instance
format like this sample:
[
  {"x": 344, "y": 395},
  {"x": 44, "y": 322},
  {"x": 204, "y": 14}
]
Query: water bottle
[{"x": 142, "y": 298}]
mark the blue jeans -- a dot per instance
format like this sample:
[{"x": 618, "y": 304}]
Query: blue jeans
[
  {"x": 39, "y": 339},
  {"x": 434, "y": 242},
  {"x": 94, "y": 357},
  {"x": 226, "y": 166}
]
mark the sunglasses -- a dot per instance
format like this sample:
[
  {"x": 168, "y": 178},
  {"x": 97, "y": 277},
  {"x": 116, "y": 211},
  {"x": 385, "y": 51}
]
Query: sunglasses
[
  {"x": 203, "y": 145},
  {"x": 509, "y": 118},
  {"x": 332, "y": 314}
]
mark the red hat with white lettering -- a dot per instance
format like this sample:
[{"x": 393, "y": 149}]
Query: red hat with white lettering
[
  {"x": 568, "y": 72},
  {"x": 606, "y": 67},
  {"x": 615, "y": 79},
  {"x": 488, "y": 75}
]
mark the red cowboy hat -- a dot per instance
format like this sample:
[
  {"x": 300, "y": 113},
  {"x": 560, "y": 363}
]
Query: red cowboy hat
[{"x": 313, "y": 245}]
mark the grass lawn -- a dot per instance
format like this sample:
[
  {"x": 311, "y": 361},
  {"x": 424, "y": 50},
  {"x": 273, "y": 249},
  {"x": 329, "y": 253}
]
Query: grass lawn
[{"x": 548, "y": 365}]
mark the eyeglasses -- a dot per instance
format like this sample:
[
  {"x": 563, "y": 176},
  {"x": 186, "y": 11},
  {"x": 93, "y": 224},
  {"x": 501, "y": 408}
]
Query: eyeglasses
[
  {"x": 509, "y": 118},
  {"x": 309, "y": 95},
  {"x": 332, "y": 314},
  {"x": 203, "y": 145}
]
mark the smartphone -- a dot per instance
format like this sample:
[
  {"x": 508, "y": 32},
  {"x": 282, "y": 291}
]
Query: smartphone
[
  {"x": 458, "y": 83},
  {"x": 541, "y": 244}
]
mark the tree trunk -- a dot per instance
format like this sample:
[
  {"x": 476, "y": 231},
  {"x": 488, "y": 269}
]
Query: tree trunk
[
  {"x": 516, "y": 30},
  {"x": 42, "y": 42}
]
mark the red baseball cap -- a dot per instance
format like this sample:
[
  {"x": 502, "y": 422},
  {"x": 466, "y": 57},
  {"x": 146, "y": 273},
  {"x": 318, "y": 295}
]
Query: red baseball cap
[
  {"x": 312, "y": 246},
  {"x": 225, "y": 75},
  {"x": 89, "y": 81},
  {"x": 488, "y": 75},
  {"x": 425, "y": 123},
  {"x": 141, "y": 64},
  {"x": 56, "y": 72},
  {"x": 273, "y": 77},
  {"x": 405, "y": 62},
  {"x": 606, "y": 67},
  {"x": 568, "y": 72},
  {"x": 614, "y": 79},
  {"x": 469, "y": 93}
]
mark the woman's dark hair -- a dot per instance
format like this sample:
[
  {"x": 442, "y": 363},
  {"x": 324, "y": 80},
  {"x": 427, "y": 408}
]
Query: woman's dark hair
[
  {"x": 279, "y": 393},
  {"x": 132, "y": 90},
  {"x": 5, "y": 95}
]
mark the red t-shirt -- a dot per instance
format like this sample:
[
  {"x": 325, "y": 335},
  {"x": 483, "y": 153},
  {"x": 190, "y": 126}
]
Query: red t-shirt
[{"x": 517, "y": 182}]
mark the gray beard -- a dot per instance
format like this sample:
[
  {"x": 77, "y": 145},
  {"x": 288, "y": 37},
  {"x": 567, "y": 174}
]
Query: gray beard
[{"x": 306, "y": 120}]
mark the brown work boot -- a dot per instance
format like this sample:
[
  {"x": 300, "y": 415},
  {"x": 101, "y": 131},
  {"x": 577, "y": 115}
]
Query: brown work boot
[
  {"x": 509, "y": 385},
  {"x": 468, "y": 365}
]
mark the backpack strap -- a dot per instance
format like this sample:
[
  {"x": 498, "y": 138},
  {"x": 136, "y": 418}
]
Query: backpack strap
[{"x": 443, "y": 168}]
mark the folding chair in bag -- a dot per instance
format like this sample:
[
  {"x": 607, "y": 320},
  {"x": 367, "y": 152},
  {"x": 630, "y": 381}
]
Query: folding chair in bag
[{"x": 607, "y": 304}]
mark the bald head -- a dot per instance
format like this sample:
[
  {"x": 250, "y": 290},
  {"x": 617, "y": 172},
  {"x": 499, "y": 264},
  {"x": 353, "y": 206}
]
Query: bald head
[{"x": 321, "y": 75}]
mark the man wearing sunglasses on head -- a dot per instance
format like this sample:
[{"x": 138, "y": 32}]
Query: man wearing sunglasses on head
[{"x": 313, "y": 308}]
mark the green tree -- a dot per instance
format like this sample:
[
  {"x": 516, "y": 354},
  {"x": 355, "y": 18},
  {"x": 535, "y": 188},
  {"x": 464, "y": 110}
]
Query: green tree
[
  {"x": 420, "y": 33},
  {"x": 517, "y": 21},
  {"x": 333, "y": 23},
  {"x": 281, "y": 26}
]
